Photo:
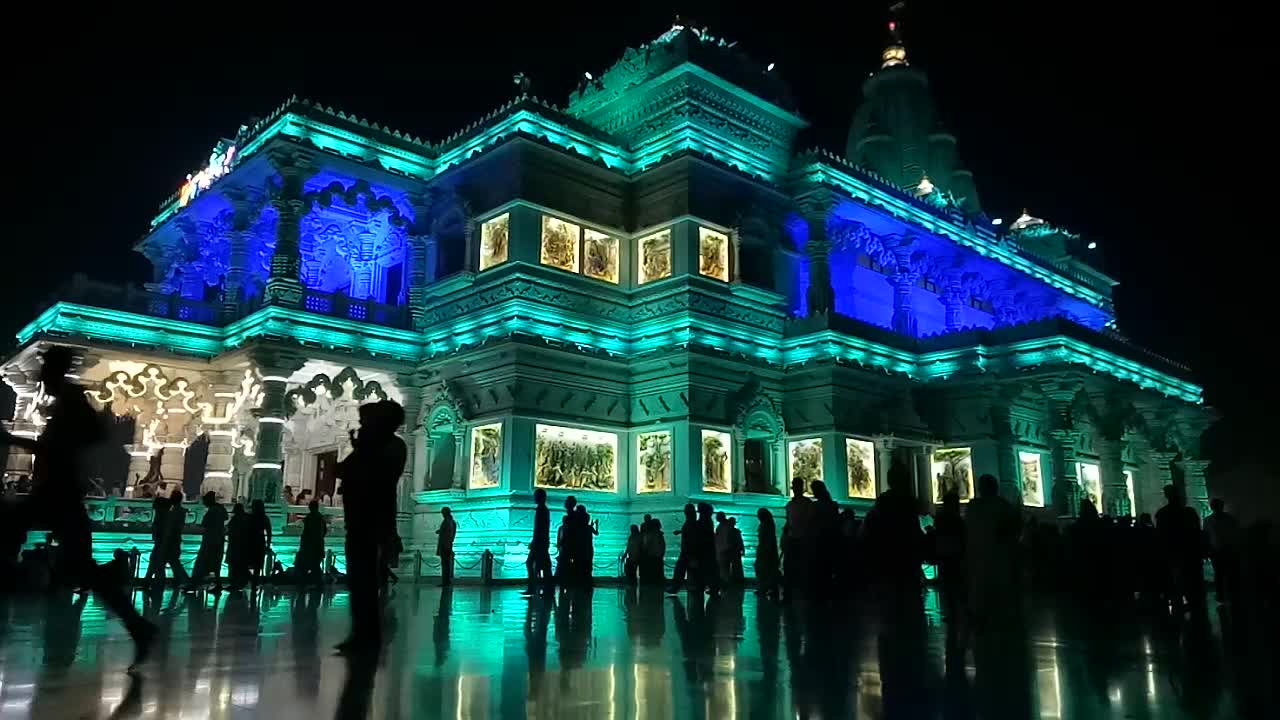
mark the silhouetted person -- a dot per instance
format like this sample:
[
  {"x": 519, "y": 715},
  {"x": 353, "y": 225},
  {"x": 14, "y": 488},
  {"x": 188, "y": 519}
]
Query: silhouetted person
[
  {"x": 444, "y": 545},
  {"x": 237, "y": 558},
  {"x": 737, "y": 548},
  {"x": 160, "y": 519},
  {"x": 991, "y": 542},
  {"x": 797, "y": 537},
  {"x": 1148, "y": 562},
  {"x": 723, "y": 551},
  {"x": 894, "y": 536},
  {"x": 308, "y": 565},
  {"x": 539, "y": 563},
  {"x": 287, "y": 495},
  {"x": 582, "y": 542},
  {"x": 631, "y": 561},
  {"x": 767, "y": 575},
  {"x": 1223, "y": 536},
  {"x": 1178, "y": 528},
  {"x": 708, "y": 570},
  {"x": 653, "y": 551},
  {"x": 564, "y": 551},
  {"x": 949, "y": 552},
  {"x": 212, "y": 541},
  {"x": 57, "y": 501},
  {"x": 687, "y": 541},
  {"x": 173, "y": 536},
  {"x": 825, "y": 534},
  {"x": 257, "y": 538},
  {"x": 369, "y": 476}
]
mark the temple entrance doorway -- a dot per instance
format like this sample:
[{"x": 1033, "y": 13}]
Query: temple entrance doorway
[
  {"x": 326, "y": 477},
  {"x": 443, "y": 456},
  {"x": 755, "y": 467}
]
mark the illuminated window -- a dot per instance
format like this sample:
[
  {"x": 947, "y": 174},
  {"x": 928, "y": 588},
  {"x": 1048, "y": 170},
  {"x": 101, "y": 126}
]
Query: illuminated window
[
  {"x": 713, "y": 254},
  {"x": 486, "y": 456},
  {"x": 716, "y": 465},
  {"x": 655, "y": 257},
  {"x": 575, "y": 459},
  {"x": 952, "y": 472},
  {"x": 493, "y": 241},
  {"x": 1032, "y": 479},
  {"x": 559, "y": 244},
  {"x": 654, "y": 462},
  {"x": 1091, "y": 483},
  {"x": 805, "y": 461},
  {"x": 861, "y": 458},
  {"x": 599, "y": 256}
]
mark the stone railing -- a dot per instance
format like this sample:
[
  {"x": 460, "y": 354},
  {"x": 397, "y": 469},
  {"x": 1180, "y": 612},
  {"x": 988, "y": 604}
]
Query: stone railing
[
  {"x": 339, "y": 305},
  {"x": 114, "y": 514},
  {"x": 84, "y": 291}
]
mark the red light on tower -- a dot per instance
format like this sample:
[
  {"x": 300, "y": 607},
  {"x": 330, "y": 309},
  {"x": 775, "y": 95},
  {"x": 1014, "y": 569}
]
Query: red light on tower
[{"x": 892, "y": 26}]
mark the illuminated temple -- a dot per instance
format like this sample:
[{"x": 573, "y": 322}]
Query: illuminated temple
[{"x": 649, "y": 296}]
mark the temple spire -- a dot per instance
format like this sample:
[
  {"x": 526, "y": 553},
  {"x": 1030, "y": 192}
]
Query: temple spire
[{"x": 895, "y": 53}]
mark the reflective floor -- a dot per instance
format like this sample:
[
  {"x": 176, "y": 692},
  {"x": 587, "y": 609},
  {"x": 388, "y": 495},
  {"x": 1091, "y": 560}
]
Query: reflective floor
[{"x": 614, "y": 653}]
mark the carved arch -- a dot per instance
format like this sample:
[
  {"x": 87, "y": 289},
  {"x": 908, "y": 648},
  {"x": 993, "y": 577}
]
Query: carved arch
[
  {"x": 334, "y": 388},
  {"x": 755, "y": 413}
]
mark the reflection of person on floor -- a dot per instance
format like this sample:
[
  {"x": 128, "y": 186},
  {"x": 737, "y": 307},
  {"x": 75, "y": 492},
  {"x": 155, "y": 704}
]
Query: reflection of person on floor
[
  {"x": 440, "y": 625},
  {"x": 209, "y": 557},
  {"x": 308, "y": 563},
  {"x": 71, "y": 431},
  {"x": 369, "y": 476},
  {"x": 766, "y": 553},
  {"x": 444, "y": 545},
  {"x": 539, "y": 563}
]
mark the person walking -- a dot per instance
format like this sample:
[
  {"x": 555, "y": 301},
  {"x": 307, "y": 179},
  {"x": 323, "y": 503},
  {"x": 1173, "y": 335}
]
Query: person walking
[
  {"x": 686, "y": 532},
  {"x": 1223, "y": 537},
  {"x": 212, "y": 541},
  {"x": 1178, "y": 528},
  {"x": 539, "y": 562},
  {"x": 257, "y": 539},
  {"x": 308, "y": 566},
  {"x": 57, "y": 501},
  {"x": 564, "y": 549},
  {"x": 173, "y": 529},
  {"x": 369, "y": 477},
  {"x": 949, "y": 551},
  {"x": 160, "y": 518},
  {"x": 444, "y": 545},
  {"x": 767, "y": 575},
  {"x": 991, "y": 528}
]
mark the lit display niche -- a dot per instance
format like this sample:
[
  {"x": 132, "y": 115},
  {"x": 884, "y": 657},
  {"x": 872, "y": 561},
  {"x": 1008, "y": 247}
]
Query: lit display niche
[
  {"x": 861, "y": 458},
  {"x": 559, "y": 244},
  {"x": 1091, "y": 483},
  {"x": 713, "y": 254},
  {"x": 952, "y": 472},
  {"x": 575, "y": 459},
  {"x": 486, "y": 456},
  {"x": 716, "y": 466},
  {"x": 655, "y": 257},
  {"x": 599, "y": 256},
  {"x": 493, "y": 241},
  {"x": 1032, "y": 479},
  {"x": 804, "y": 458},
  {"x": 654, "y": 462},
  {"x": 1128, "y": 485}
]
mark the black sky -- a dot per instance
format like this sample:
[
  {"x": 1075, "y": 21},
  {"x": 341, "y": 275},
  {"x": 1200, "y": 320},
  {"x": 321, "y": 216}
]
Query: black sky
[{"x": 1128, "y": 125}]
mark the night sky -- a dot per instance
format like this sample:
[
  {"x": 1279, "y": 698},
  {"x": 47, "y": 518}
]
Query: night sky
[{"x": 1123, "y": 127}]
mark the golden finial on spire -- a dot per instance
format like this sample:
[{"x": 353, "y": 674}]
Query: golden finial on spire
[{"x": 896, "y": 52}]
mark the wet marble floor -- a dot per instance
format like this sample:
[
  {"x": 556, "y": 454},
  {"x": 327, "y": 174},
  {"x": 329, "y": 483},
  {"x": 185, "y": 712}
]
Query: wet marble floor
[{"x": 613, "y": 653}]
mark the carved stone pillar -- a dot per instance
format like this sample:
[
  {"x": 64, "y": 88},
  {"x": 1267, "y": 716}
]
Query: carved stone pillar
[
  {"x": 953, "y": 299},
  {"x": 274, "y": 368},
  {"x": 1060, "y": 394},
  {"x": 884, "y": 460},
  {"x": 284, "y": 287},
  {"x": 1162, "y": 468},
  {"x": 1009, "y": 469},
  {"x": 461, "y": 464},
  {"x": 821, "y": 296},
  {"x": 1115, "y": 490},
  {"x": 1194, "y": 487},
  {"x": 903, "y": 281}
]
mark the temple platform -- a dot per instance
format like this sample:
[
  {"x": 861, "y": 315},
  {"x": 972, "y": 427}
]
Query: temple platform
[{"x": 614, "y": 653}]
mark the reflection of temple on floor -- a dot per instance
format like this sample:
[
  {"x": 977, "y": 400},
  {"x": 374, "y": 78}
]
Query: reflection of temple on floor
[{"x": 600, "y": 303}]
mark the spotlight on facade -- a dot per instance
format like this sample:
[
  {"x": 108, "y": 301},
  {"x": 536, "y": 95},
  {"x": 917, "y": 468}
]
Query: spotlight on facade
[
  {"x": 997, "y": 221},
  {"x": 587, "y": 75},
  {"x": 1092, "y": 246},
  {"x": 770, "y": 67}
]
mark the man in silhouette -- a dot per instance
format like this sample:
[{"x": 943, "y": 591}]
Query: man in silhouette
[
  {"x": 1222, "y": 533},
  {"x": 894, "y": 536},
  {"x": 991, "y": 530},
  {"x": 444, "y": 545},
  {"x": 539, "y": 563},
  {"x": 57, "y": 501},
  {"x": 797, "y": 535},
  {"x": 369, "y": 478},
  {"x": 564, "y": 549},
  {"x": 308, "y": 563},
  {"x": 209, "y": 558},
  {"x": 687, "y": 543},
  {"x": 1178, "y": 528}
]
